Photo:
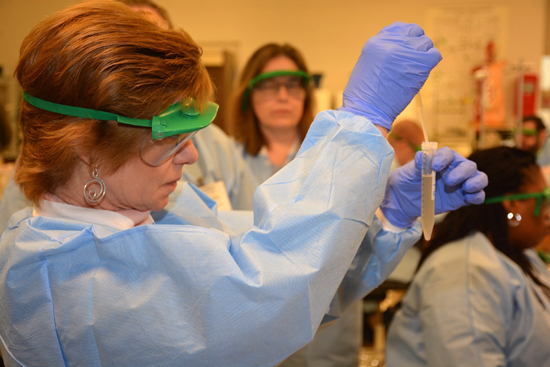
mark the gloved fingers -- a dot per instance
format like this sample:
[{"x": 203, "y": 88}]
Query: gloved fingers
[
  {"x": 403, "y": 29},
  {"x": 475, "y": 198},
  {"x": 476, "y": 183},
  {"x": 435, "y": 56},
  {"x": 458, "y": 173},
  {"x": 442, "y": 159},
  {"x": 406, "y": 173},
  {"x": 422, "y": 43},
  {"x": 418, "y": 162}
]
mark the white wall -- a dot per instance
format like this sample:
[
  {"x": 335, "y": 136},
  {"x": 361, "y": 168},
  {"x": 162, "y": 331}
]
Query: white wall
[{"x": 330, "y": 33}]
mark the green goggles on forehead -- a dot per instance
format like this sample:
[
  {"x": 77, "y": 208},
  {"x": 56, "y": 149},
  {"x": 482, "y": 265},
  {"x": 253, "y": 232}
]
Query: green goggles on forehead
[
  {"x": 529, "y": 132},
  {"x": 177, "y": 119},
  {"x": 272, "y": 74},
  {"x": 540, "y": 196}
]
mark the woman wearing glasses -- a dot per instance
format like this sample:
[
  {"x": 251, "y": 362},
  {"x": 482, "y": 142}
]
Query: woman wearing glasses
[
  {"x": 481, "y": 296},
  {"x": 87, "y": 278},
  {"x": 273, "y": 109}
]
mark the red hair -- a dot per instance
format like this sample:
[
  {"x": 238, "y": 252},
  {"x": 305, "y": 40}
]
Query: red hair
[{"x": 99, "y": 55}]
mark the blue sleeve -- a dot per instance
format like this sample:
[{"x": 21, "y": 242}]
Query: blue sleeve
[
  {"x": 193, "y": 295},
  {"x": 378, "y": 256}
]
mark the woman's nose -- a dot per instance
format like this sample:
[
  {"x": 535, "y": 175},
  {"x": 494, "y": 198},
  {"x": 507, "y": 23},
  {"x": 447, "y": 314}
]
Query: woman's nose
[
  {"x": 282, "y": 92},
  {"x": 187, "y": 154}
]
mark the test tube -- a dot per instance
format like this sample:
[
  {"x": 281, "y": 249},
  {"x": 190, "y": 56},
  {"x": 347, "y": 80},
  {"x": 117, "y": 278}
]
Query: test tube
[{"x": 427, "y": 209}]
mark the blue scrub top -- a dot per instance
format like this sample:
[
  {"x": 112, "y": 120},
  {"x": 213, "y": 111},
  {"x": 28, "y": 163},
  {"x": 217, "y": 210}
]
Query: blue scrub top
[{"x": 470, "y": 305}]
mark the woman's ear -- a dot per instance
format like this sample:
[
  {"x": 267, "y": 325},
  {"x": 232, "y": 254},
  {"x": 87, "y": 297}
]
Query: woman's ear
[{"x": 84, "y": 156}]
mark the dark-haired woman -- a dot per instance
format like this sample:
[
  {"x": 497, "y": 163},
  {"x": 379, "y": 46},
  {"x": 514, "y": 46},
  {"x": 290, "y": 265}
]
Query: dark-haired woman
[{"x": 477, "y": 298}]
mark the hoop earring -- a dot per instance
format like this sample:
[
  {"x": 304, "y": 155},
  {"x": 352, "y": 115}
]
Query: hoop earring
[
  {"x": 513, "y": 219},
  {"x": 93, "y": 196}
]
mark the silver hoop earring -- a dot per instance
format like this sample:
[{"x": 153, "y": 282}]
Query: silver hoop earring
[
  {"x": 513, "y": 219},
  {"x": 93, "y": 196}
]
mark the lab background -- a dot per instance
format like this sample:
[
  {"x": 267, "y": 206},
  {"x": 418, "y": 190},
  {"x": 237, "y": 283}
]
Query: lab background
[
  {"x": 515, "y": 34},
  {"x": 329, "y": 33}
]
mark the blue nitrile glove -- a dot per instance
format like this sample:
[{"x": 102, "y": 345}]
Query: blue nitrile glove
[
  {"x": 392, "y": 68},
  {"x": 458, "y": 183}
]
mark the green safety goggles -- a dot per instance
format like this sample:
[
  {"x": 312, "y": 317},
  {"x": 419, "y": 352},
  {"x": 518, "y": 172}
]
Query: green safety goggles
[
  {"x": 540, "y": 196},
  {"x": 416, "y": 148},
  {"x": 529, "y": 132},
  {"x": 269, "y": 75},
  {"x": 177, "y": 119}
]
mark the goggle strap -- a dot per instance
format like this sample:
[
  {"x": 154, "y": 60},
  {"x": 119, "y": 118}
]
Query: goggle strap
[
  {"x": 82, "y": 112},
  {"x": 159, "y": 124},
  {"x": 530, "y": 195}
]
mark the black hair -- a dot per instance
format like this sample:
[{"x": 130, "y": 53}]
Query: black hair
[
  {"x": 537, "y": 120},
  {"x": 508, "y": 169}
]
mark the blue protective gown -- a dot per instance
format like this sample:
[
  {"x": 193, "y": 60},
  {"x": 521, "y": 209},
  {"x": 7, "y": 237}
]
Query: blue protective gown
[
  {"x": 188, "y": 291},
  {"x": 470, "y": 305},
  {"x": 339, "y": 343},
  {"x": 219, "y": 160}
]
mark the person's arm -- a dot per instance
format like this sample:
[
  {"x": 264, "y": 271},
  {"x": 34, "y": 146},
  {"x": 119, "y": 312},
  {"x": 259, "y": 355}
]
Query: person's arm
[
  {"x": 379, "y": 254},
  {"x": 269, "y": 288}
]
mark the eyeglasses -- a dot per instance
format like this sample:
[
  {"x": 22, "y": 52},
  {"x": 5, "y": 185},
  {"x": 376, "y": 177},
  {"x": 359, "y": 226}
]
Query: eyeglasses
[
  {"x": 268, "y": 84},
  {"x": 269, "y": 88},
  {"x": 155, "y": 152},
  {"x": 543, "y": 196}
]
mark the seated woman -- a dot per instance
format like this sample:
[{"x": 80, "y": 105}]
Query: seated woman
[
  {"x": 480, "y": 296},
  {"x": 87, "y": 278}
]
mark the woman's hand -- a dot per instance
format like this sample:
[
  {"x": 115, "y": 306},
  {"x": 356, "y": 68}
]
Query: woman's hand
[{"x": 458, "y": 183}]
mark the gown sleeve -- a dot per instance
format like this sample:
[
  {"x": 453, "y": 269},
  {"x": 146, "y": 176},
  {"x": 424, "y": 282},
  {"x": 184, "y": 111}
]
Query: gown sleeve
[{"x": 198, "y": 295}]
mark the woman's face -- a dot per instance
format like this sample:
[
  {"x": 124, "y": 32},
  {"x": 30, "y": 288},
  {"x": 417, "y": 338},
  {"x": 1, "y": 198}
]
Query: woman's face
[
  {"x": 139, "y": 186},
  {"x": 531, "y": 229},
  {"x": 282, "y": 107}
]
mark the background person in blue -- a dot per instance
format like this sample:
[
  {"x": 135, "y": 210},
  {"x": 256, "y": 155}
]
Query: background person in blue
[
  {"x": 481, "y": 296},
  {"x": 87, "y": 279},
  {"x": 273, "y": 109}
]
